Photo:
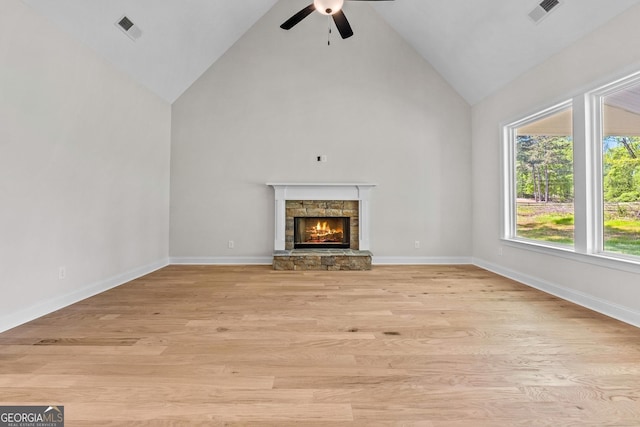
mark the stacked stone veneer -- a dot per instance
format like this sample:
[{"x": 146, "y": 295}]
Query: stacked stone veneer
[
  {"x": 316, "y": 259},
  {"x": 322, "y": 259},
  {"x": 320, "y": 208}
]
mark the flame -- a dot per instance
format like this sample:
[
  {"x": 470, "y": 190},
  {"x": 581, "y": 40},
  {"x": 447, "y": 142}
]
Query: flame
[
  {"x": 323, "y": 231},
  {"x": 323, "y": 227}
]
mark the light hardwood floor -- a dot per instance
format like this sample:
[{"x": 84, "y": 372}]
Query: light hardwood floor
[{"x": 395, "y": 346}]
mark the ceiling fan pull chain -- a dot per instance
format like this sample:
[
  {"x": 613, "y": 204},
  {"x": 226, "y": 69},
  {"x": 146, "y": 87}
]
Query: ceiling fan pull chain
[{"x": 329, "y": 35}]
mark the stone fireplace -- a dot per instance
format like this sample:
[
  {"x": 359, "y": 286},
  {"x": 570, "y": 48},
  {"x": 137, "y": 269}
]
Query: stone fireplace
[
  {"x": 322, "y": 226},
  {"x": 321, "y": 223}
]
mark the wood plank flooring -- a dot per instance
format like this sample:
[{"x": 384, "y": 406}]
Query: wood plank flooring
[{"x": 396, "y": 346}]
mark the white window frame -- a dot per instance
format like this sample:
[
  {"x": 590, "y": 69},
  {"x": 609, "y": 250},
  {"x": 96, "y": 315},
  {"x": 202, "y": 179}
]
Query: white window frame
[
  {"x": 587, "y": 115},
  {"x": 594, "y": 100},
  {"x": 509, "y": 223}
]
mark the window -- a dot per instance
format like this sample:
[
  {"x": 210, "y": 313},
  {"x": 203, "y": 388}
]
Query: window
[
  {"x": 571, "y": 177},
  {"x": 620, "y": 136},
  {"x": 541, "y": 153}
]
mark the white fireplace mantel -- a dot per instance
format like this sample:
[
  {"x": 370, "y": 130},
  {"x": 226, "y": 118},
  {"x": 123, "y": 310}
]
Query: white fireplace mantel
[{"x": 322, "y": 191}]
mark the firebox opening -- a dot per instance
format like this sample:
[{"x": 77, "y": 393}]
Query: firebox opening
[{"x": 321, "y": 232}]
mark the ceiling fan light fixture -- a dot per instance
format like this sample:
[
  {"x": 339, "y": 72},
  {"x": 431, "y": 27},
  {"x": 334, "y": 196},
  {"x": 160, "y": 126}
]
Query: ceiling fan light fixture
[{"x": 328, "y": 7}]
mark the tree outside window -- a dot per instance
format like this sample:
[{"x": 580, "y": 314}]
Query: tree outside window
[
  {"x": 620, "y": 112},
  {"x": 544, "y": 179}
]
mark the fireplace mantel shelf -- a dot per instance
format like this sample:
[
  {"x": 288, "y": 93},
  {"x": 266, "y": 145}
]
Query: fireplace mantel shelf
[
  {"x": 321, "y": 191},
  {"x": 321, "y": 184}
]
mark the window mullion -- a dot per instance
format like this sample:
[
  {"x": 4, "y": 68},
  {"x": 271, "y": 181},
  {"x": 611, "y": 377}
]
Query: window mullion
[
  {"x": 593, "y": 179},
  {"x": 581, "y": 185}
]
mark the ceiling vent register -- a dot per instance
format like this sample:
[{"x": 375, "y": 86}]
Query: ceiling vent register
[
  {"x": 542, "y": 10},
  {"x": 129, "y": 28}
]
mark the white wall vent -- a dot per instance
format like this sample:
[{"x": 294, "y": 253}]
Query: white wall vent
[
  {"x": 129, "y": 28},
  {"x": 542, "y": 10}
]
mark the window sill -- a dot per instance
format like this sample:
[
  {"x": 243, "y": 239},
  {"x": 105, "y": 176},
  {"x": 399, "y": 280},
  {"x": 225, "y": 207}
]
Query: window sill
[{"x": 606, "y": 260}]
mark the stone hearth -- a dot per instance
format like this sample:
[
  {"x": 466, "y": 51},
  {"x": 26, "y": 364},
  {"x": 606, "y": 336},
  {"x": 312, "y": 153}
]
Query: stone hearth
[{"x": 322, "y": 259}]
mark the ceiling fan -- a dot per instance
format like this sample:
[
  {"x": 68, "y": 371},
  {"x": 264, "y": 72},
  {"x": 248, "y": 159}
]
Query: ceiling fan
[{"x": 331, "y": 8}]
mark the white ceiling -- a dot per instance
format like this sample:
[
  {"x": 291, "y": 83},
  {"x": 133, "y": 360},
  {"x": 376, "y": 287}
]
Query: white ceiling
[{"x": 477, "y": 45}]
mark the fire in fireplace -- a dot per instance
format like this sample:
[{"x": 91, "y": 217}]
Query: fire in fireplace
[{"x": 321, "y": 232}]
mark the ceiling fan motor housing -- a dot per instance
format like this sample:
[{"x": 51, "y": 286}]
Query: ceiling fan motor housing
[{"x": 328, "y": 7}]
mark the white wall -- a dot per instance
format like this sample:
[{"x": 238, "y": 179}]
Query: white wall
[
  {"x": 277, "y": 99},
  {"x": 610, "y": 51},
  {"x": 84, "y": 155},
  {"x": 84, "y": 170}
]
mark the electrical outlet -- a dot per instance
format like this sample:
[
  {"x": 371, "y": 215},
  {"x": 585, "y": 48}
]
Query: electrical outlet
[
  {"x": 500, "y": 251},
  {"x": 231, "y": 244},
  {"x": 62, "y": 272},
  {"x": 416, "y": 244}
]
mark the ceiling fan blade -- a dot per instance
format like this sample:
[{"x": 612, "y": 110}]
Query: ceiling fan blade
[
  {"x": 342, "y": 24},
  {"x": 289, "y": 23}
]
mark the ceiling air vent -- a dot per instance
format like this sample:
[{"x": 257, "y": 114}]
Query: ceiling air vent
[
  {"x": 543, "y": 9},
  {"x": 129, "y": 28}
]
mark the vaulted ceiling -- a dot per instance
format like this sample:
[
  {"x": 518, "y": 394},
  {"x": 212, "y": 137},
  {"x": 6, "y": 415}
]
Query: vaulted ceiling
[{"x": 477, "y": 45}]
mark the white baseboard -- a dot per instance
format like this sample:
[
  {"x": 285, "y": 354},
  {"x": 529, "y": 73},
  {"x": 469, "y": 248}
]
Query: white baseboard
[
  {"x": 599, "y": 305},
  {"x": 268, "y": 260},
  {"x": 256, "y": 260},
  {"x": 37, "y": 310},
  {"x": 398, "y": 260}
]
